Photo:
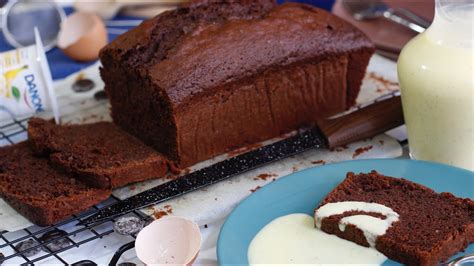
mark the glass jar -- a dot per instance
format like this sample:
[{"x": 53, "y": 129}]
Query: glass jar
[{"x": 436, "y": 76}]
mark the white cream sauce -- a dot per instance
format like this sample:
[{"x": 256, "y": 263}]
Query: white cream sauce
[
  {"x": 371, "y": 226},
  {"x": 294, "y": 239},
  {"x": 436, "y": 73}
]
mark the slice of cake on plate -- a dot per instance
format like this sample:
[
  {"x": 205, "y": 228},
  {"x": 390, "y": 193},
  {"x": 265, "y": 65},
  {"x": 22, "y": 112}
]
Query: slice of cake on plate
[
  {"x": 407, "y": 222},
  {"x": 100, "y": 154},
  {"x": 40, "y": 192}
]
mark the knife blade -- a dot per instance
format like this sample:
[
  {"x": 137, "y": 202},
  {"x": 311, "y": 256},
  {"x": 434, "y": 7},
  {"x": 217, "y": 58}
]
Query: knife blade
[
  {"x": 366, "y": 122},
  {"x": 303, "y": 141}
]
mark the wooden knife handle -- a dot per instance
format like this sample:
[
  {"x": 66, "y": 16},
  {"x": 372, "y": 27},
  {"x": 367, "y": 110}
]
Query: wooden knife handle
[{"x": 363, "y": 123}]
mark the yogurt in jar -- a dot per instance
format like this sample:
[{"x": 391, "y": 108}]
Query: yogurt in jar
[
  {"x": 26, "y": 85},
  {"x": 436, "y": 75}
]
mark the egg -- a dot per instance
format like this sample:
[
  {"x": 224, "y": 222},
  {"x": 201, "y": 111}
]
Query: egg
[
  {"x": 169, "y": 240},
  {"x": 82, "y": 35}
]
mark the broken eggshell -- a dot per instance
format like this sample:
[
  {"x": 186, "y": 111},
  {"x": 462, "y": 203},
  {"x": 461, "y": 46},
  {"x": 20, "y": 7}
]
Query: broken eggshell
[
  {"x": 169, "y": 240},
  {"x": 82, "y": 35}
]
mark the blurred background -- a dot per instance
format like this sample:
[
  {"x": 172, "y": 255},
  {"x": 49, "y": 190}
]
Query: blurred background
[{"x": 19, "y": 17}]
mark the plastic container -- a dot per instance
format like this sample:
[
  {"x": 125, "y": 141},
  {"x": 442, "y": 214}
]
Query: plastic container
[{"x": 26, "y": 85}]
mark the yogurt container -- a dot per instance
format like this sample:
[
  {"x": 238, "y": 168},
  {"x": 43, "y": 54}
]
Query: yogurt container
[{"x": 26, "y": 85}]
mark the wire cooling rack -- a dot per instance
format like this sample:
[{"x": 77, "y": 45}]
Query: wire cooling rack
[{"x": 13, "y": 132}]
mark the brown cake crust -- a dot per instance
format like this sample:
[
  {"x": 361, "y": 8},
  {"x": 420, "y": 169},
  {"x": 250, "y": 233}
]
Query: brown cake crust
[
  {"x": 217, "y": 76},
  {"x": 40, "y": 192},
  {"x": 100, "y": 154},
  {"x": 431, "y": 228}
]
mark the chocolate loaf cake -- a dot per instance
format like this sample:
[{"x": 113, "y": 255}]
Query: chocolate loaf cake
[
  {"x": 100, "y": 154},
  {"x": 425, "y": 227},
  {"x": 208, "y": 78},
  {"x": 40, "y": 192}
]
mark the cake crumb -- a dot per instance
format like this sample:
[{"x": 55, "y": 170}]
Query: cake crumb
[
  {"x": 174, "y": 169},
  {"x": 319, "y": 162},
  {"x": 387, "y": 84},
  {"x": 340, "y": 148},
  {"x": 361, "y": 150},
  {"x": 171, "y": 177},
  {"x": 159, "y": 214},
  {"x": 255, "y": 189},
  {"x": 264, "y": 177},
  {"x": 205, "y": 226},
  {"x": 185, "y": 171},
  {"x": 381, "y": 142},
  {"x": 244, "y": 150},
  {"x": 80, "y": 76},
  {"x": 167, "y": 209}
]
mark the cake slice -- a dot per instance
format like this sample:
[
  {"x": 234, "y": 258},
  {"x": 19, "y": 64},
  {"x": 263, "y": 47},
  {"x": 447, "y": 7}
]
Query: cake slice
[
  {"x": 101, "y": 154},
  {"x": 407, "y": 222},
  {"x": 40, "y": 192}
]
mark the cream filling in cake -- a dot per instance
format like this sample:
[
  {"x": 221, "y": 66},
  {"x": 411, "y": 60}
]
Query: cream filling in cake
[{"x": 371, "y": 226}]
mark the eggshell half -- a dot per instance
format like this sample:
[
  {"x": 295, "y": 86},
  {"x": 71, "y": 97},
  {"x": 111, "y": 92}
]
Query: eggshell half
[
  {"x": 169, "y": 240},
  {"x": 82, "y": 35}
]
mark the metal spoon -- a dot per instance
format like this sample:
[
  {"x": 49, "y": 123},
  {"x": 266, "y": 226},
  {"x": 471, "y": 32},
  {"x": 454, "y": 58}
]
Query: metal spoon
[
  {"x": 464, "y": 260},
  {"x": 371, "y": 9}
]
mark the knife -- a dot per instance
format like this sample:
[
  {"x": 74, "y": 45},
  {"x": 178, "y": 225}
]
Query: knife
[{"x": 329, "y": 133}]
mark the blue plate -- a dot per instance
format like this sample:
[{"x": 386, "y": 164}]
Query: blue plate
[{"x": 302, "y": 191}]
